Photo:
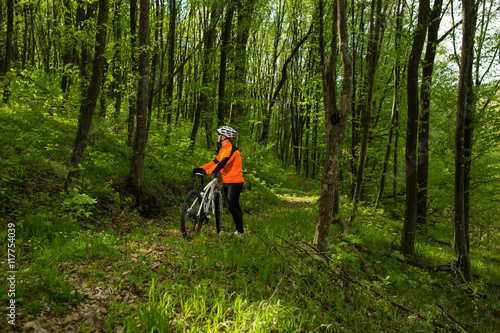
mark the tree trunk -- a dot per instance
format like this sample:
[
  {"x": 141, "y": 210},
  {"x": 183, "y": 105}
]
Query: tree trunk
[
  {"x": 86, "y": 60},
  {"x": 357, "y": 105},
  {"x": 8, "y": 48},
  {"x": 132, "y": 102},
  {"x": 277, "y": 36},
  {"x": 335, "y": 126},
  {"x": 389, "y": 138},
  {"x": 67, "y": 50},
  {"x": 171, "y": 65},
  {"x": 89, "y": 101},
  {"x": 2, "y": 55},
  {"x": 461, "y": 228},
  {"x": 222, "y": 109},
  {"x": 141, "y": 135},
  {"x": 207, "y": 64},
  {"x": 410, "y": 221},
  {"x": 395, "y": 210},
  {"x": 80, "y": 20},
  {"x": 155, "y": 61},
  {"x": 284, "y": 76},
  {"x": 24, "y": 55},
  {"x": 425, "y": 101},
  {"x": 244, "y": 20},
  {"x": 396, "y": 101},
  {"x": 372, "y": 62},
  {"x": 468, "y": 133},
  {"x": 102, "y": 98},
  {"x": 116, "y": 87}
]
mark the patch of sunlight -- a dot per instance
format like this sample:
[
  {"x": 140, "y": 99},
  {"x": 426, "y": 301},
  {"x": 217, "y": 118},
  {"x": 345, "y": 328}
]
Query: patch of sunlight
[{"x": 309, "y": 199}]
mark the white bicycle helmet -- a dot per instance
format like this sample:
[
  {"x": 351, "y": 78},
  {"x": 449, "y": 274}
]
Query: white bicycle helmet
[{"x": 227, "y": 132}]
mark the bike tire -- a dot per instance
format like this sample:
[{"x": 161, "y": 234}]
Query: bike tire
[
  {"x": 190, "y": 222},
  {"x": 218, "y": 210}
]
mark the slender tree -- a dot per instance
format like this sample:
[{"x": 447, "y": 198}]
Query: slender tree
[
  {"x": 24, "y": 55},
  {"x": 274, "y": 65},
  {"x": 335, "y": 126},
  {"x": 8, "y": 47},
  {"x": 132, "y": 102},
  {"x": 222, "y": 109},
  {"x": 155, "y": 60},
  {"x": 141, "y": 135},
  {"x": 244, "y": 19},
  {"x": 410, "y": 221},
  {"x": 116, "y": 87},
  {"x": 425, "y": 101},
  {"x": 171, "y": 64},
  {"x": 67, "y": 49},
  {"x": 279, "y": 86},
  {"x": 376, "y": 23},
  {"x": 469, "y": 14},
  {"x": 2, "y": 41},
  {"x": 208, "y": 54},
  {"x": 89, "y": 100},
  {"x": 395, "y": 111}
]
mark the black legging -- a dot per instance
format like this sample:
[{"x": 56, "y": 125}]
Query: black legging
[{"x": 232, "y": 191}]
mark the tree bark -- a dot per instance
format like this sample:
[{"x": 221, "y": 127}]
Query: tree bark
[
  {"x": 244, "y": 20},
  {"x": 222, "y": 109},
  {"x": 86, "y": 59},
  {"x": 389, "y": 137},
  {"x": 335, "y": 126},
  {"x": 132, "y": 102},
  {"x": 397, "y": 84},
  {"x": 116, "y": 87},
  {"x": 154, "y": 62},
  {"x": 171, "y": 64},
  {"x": 67, "y": 49},
  {"x": 2, "y": 55},
  {"x": 266, "y": 117},
  {"x": 410, "y": 221},
  {"x": 207, "y": 64},
  {"x": 372, "y": 62},
  {"x": 141, "y": 135},
  {"x": 8, "y": 47},
  {"x": 357, "y": 104},
  {"x": 89, "y": 101},
  {"x": 425, "y": 101},
  {"x": 24, "y": 55},
  {"x": 461, "y": 228}
]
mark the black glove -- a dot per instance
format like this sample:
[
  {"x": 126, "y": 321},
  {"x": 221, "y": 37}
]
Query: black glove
[{"x": 199, "y": 170}]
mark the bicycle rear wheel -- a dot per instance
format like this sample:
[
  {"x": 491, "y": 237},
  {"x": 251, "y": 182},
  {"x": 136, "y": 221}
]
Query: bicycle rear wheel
[{"x": 190, "y": 222}]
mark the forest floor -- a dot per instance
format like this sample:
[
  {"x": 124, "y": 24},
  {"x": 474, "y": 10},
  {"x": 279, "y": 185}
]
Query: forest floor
[
  {"x": 105, "y": 284},
  {"x": 107, "y": 290},
  {"x": 90, "y": 260}
]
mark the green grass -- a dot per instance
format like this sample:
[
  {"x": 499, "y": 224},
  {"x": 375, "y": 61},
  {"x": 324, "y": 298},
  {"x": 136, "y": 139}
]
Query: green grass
[{"x": 89, "y": 260}]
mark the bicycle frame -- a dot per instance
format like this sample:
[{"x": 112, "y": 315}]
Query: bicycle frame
[{"x": 208, "y": 198}]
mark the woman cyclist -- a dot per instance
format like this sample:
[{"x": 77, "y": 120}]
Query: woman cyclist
[{"x": 228, "y": 163}]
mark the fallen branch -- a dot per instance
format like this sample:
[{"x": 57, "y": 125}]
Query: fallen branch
[
  {"x": 347, "y": 279},
  {"x": 464, "y": 326},
  {"x": 275, "y": 290},
  {"x": 339, "y": 220}
]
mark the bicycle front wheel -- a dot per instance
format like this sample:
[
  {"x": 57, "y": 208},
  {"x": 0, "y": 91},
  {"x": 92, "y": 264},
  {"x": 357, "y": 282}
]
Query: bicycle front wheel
[{"x": 190, "y": 221}]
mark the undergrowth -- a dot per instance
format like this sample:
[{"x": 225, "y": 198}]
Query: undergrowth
[{"x": 92, "y": 260}]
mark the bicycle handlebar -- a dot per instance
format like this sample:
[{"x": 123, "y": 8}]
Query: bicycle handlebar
[{"x": 201, "y": 175}]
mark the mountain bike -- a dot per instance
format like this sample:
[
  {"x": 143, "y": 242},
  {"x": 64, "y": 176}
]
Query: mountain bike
[{"x": 198, "y": 207}]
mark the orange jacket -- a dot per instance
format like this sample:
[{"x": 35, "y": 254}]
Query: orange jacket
[{"x": 228, "y": 162}]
